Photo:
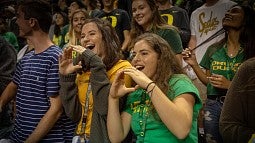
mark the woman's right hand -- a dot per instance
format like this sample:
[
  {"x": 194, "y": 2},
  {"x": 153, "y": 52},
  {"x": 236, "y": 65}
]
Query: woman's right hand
[
  {"x": 66, "y": 62},
  {"x": 189, "y": 57},
  {"x": 118, "y": 88}
]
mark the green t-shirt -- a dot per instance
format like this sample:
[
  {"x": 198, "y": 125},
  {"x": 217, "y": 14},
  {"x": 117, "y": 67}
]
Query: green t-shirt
[
  {"x": 11, "y": 38},
  {"x": 173, "y": 39},
  {"x": 64, "y": 36},
  {"x": 146, "y": 123},
  {"x": 217, "y": 61}
]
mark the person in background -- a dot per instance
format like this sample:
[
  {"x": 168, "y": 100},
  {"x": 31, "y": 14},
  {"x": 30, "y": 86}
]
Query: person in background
[
  {"x": 62, "y": 4},
  {"x": 91, "y": 7},
  {"x": 85, "y": 87},
  {"x": 9, "y": 36},
  {"x": 120, "y": 22},
  {"x": 35, "y": 84},
  {"x": 175, "y": 16},
  {"x": 8, "y": 59},
  {"x": 163, "y": 105},
  {"x": 205, "y": 21},
  {"x": 237, "y": 117},
  {"x": 125, "y": 5},
  {"x": 73, "y": 6},
  {"x": 221, "y": 61},
  {"x": 60, "y": 21},
  {"x": 146, "y": 18},
  {"x": 74, "y": 33}
]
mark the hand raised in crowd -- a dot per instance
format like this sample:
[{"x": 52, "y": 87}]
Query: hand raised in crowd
[
  {"x": 118, "y": 88},
  {"x": 139, "y": 77},
  {"x": 66, "y": 61},
  {"x": 219, "y": 81},
  {"x": 78, "y": 48},
  {"x": 189, "y": 57}
]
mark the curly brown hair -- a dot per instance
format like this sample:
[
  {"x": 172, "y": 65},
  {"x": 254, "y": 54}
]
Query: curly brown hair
[{"x": 169, "y": 65}]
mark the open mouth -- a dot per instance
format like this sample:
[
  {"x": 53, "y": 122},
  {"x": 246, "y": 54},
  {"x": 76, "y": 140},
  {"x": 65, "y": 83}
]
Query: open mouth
[
  {"x": 139, "y": 67},
  {"x": 90, "y": 47}
]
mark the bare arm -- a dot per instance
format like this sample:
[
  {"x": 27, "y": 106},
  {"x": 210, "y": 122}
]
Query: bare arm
[
  {"x": 179, "y": 58},
  {"x": 8, "y": 94},
  {"x": 126, "y": 40},
  {"x": 118, "y": 125},
  {"x": 176, "y": 114},
  {"x": 202, "y": 75},
  {"x": 192, "y": 42},
  {"x": 190, "y": 58},
  {"x": 47, "y": 121}
]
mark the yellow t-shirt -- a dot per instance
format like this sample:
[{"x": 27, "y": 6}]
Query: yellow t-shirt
[
  {"x": 82, "y": 81},
  {"x": 56, "y": 39}
]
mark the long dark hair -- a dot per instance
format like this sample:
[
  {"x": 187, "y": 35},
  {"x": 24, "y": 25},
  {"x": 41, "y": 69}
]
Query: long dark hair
[
  {"x": 247, "y": 37},
  {"x": 57, "y": 29}
]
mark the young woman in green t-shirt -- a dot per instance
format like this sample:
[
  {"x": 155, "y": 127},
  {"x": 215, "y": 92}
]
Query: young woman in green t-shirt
[{"x": 163, "y": 105}]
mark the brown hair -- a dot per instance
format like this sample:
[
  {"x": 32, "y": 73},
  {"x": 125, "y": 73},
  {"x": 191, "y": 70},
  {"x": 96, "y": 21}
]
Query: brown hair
[
  {"x": 169, "y": 65},
  {"x": 110, "y": 40}
]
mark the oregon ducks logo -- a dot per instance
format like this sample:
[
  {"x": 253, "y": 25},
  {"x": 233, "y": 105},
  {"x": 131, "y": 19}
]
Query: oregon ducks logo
[
  {"x": 169, "y": 18},
  {"x": 112, "y": 19}
]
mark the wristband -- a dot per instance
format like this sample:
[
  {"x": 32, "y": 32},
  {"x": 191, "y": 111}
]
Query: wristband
[{"x": 149, "y": 85}]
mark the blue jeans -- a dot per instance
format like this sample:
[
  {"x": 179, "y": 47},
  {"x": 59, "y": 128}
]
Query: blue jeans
[{"x": 212, "y": 111}]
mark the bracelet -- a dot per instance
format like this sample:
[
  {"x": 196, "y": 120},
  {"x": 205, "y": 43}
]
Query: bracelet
[
  {"x": 151, "y": 91},
  {"x": 149, "y": 85}
]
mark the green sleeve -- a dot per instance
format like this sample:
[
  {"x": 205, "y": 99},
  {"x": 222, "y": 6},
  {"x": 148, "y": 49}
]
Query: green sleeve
[
  {"x": 205, "y": 62},
  {"x": 181, "y": 84},
  {"x": 173, "y": 39}
]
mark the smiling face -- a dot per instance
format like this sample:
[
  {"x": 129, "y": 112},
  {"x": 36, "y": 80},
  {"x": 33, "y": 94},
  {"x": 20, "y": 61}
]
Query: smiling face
[
  {"x": 78, "y": 20},
  {"x": 234, "y": 18},
  {"x": 91, "y": 38},
  {"x": 142, "y": 13},
  {"x": 145, "y": 58},
  {"x": 59, "y": 20}
]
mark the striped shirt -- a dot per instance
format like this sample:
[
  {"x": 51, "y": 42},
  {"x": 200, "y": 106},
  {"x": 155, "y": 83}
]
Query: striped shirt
[{"x": 37, "y": 79}]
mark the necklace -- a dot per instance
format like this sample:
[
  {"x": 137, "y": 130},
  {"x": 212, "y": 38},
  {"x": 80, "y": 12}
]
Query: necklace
[
  {"x": 143, "y": 114},
  {"x": 231, "y": 61}
]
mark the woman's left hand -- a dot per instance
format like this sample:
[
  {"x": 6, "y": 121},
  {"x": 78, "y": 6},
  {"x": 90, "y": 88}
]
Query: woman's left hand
[
  {"x": 219, "y": 81},
  {"x": 118, "y": 88}
]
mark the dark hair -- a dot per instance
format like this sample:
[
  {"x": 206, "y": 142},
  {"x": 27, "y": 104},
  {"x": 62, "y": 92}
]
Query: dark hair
[
  {"x": 38, "y": 9},
  {"x": 167, "y": 62},
  {"x": 5, "y": 28},
  {"x": 93, "y": 4},
  {"x": 247, "y": 37},
  {"x": 110, "y": 40},
  {"x": 57, "y": 29},
  {"x": 79, "y": 3}
]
